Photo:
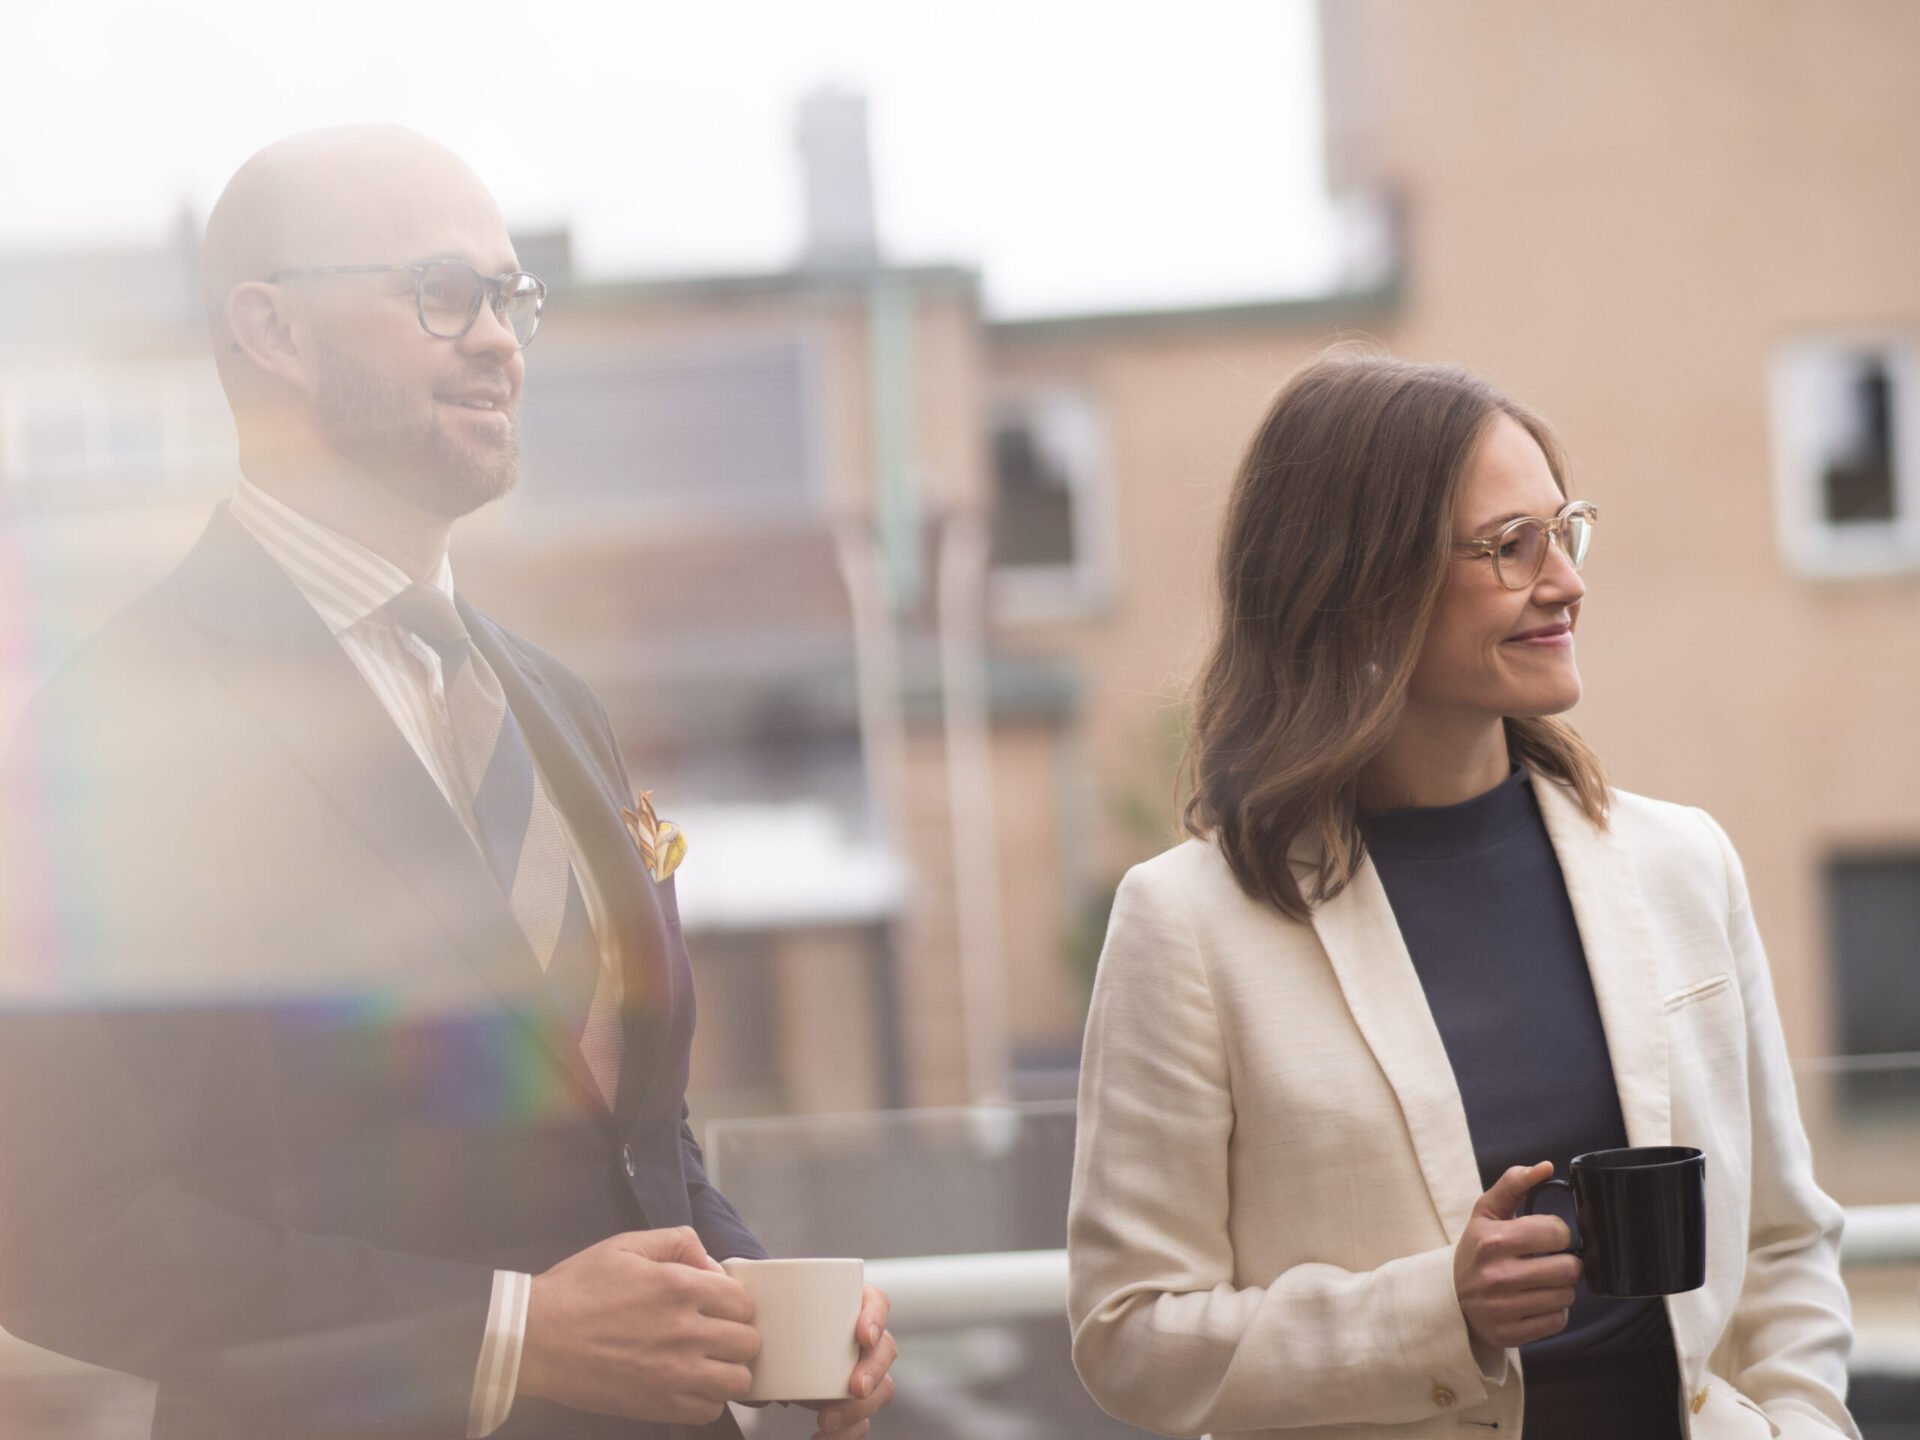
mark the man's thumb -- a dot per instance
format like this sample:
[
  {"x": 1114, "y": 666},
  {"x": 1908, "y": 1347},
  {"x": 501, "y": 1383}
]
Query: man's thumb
[
  {"x": 1503, "y": 1200},
  {"x": 679, "y": 1246}
]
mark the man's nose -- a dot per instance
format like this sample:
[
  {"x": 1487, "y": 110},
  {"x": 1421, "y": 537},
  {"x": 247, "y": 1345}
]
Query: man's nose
[{"x": 490, "y": 335}]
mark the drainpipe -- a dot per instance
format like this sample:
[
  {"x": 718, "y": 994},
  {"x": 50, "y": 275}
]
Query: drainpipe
[
  {"x": 959, "y": 605},
  {"x": 876, "y": 666},
  {"x": 964, "y": 549}
]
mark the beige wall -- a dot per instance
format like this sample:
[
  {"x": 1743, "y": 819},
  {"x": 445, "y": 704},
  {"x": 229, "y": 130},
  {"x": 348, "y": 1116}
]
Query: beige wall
[
  {"x": 932, "y": 998},
  {"x": 1616, "y": 214},
  {"x": 827, "y": 1039},
  {"x": 1036, "y": 904},
  {"x": 1619, "y": 213},
  {"x": 1179, "y": 404}
]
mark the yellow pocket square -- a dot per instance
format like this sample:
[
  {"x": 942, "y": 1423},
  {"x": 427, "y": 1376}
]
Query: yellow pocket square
[{"x": 661, "y": 843}]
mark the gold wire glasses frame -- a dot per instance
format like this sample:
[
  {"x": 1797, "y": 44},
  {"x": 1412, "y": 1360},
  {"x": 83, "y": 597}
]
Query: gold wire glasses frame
[
  {"x": 1519, "y": 548},
  {"x": 447, "y": 295}
]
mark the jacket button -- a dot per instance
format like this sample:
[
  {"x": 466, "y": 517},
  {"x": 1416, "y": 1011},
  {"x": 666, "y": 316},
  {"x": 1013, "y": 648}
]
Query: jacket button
[
  {"x": 626, "y": 1159},
  {"x": 1442, "y": 1396}
]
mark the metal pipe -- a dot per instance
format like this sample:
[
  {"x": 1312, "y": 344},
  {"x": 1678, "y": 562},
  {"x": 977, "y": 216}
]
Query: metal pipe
[
  {"x": 964, "y": 548},
  {"x": 1016, "y": 1284}
]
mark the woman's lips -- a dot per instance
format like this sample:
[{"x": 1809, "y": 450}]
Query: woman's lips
[{"x": 1552, "y": 640}]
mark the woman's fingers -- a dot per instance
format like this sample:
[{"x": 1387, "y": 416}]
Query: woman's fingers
[
  {"x": 1539, "y": 1328},
  {"x": 1516, "y": 1277},
  {"x": 1530, "y": 1303}
]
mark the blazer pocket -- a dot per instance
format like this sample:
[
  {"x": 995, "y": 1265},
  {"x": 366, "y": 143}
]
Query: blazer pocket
[
  {"x": 1773, "y": 1427},
  {"x": 1699, "y": 990}
]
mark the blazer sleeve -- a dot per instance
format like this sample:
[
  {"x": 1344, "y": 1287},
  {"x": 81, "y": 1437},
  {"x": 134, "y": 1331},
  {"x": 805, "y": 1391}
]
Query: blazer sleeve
[
  {"x": 724, "y": 1234},
  {"x": 1790, "y": 1332},
  {"x": 1164, "y": 1334},
  {"x": 111, "y": 1250}
]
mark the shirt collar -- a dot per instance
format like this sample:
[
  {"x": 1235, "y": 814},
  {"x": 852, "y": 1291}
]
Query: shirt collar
[{"x": 342, "y": 579}]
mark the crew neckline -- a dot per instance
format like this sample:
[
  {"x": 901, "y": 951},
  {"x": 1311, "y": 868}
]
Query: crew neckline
[{"x": 1444, "y": 831}]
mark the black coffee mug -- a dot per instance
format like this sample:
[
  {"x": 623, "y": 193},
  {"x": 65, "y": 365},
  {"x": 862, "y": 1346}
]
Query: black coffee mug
[{"x": 1642, "y": 1215}]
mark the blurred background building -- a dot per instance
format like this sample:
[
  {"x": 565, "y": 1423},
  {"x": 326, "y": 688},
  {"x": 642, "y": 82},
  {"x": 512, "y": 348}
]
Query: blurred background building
[{"x": 893, "y": 602}]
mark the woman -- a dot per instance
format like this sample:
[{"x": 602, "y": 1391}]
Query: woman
[{"x": 1417, "y": 953}]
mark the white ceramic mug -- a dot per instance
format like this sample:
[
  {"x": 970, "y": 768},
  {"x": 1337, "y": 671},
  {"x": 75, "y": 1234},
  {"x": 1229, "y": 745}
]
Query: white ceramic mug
[{"x": 805, "y": 1312}]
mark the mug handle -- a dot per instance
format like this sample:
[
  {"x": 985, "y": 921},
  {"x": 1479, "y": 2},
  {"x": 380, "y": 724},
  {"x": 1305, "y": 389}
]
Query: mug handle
[{"x": 1576, "y": 1247}]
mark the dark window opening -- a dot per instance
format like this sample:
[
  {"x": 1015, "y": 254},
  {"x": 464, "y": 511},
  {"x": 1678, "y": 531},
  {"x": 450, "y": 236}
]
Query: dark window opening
[
  {"x": 1033, "y": 499},
  {"x": 1874, "y": 918},
  {"x": 1857, "y": 470}
]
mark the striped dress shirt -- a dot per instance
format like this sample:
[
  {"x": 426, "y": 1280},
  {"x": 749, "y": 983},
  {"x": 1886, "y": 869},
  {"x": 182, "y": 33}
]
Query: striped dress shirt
[{"x": 347, "y": 584}]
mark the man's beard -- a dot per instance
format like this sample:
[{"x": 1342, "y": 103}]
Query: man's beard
[{"x": 396, "y": 438}]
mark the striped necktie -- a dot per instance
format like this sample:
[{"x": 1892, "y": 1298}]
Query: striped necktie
[{"x": 518, "y": 830}]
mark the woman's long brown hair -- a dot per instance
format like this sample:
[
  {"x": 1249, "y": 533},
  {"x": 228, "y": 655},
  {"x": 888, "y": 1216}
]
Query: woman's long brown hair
[{"x": 1337, "y": 545}]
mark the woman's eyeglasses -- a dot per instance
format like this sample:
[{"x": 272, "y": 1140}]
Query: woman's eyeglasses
[
  {"x": 447, "y": 295},
  {"x": 1519, "y": 549}
]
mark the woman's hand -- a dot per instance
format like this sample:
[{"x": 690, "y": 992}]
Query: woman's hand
[{"x": 1511, "y": 1290}]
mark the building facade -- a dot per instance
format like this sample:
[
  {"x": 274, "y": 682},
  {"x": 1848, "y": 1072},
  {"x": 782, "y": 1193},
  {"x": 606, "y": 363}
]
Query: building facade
[{"x": 894, "y": 604}]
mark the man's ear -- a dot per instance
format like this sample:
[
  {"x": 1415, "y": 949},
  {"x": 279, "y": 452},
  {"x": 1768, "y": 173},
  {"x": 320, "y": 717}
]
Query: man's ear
[{"x": 262, "y": 331}]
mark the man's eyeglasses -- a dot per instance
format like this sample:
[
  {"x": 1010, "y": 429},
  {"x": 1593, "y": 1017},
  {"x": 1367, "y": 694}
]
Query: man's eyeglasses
[
  {"x": 447, "y": 295},
  {"x": 1519, "y": 549}
]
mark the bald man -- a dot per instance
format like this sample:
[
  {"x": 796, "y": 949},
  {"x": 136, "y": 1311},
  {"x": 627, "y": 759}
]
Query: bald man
[{"x": 346, "y": 1011}]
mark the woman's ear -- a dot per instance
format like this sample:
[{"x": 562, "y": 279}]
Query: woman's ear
[{"x": 262, "y": 332}]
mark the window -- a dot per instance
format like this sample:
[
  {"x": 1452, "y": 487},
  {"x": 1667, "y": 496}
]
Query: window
[
  {"x": 725, "y": 427},
  {"x": 1052, "y": 541},
  {"x": 112, "y": 435},
  {"x": 1846, "y": 439},
  {"x": 1874, "y": 918}
]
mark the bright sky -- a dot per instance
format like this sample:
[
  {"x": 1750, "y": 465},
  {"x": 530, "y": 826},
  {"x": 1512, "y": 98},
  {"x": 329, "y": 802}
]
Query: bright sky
[{"x": 1083, "y": 154}]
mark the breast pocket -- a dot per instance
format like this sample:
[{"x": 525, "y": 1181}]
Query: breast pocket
[
  {"x": 1706, "y": 1044},
  {"x": 1700, "y": 990}
]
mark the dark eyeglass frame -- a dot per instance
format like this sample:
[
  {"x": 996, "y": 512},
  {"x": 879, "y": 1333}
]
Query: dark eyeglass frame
[
  {"x": 1552, "y": 531},
  {"x": 496, "y": 290}
]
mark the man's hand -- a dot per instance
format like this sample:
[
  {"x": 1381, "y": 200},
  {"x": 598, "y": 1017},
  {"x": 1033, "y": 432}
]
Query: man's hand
[
  {"x": 872, "y": 1382},
  {"x": 643, "y": 1325},
  {"x": 1511, "y": 1289}
]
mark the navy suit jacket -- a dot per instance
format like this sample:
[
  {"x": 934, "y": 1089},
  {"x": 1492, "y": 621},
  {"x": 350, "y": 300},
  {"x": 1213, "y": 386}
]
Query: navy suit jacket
[{"x": 280, "y": 1082}]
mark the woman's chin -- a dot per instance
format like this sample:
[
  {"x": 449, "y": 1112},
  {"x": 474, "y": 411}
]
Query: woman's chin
[
  {"x": 1544, "y": 696},
  {"x": 1538, "y": 707}
]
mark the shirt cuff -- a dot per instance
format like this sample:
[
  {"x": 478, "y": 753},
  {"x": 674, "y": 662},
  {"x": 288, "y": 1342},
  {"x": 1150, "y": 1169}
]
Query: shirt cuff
[{"x": 498, "y": 1371}]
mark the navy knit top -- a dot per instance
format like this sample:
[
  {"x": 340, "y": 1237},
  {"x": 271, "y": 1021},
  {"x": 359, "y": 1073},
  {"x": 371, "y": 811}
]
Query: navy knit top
[{"x": 1477, "y": 891}]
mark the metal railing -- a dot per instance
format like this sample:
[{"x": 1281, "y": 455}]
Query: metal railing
[
  {"x": 975, "y": 1179},
  {"x": 984, "y": 1330},
  {"x": 937, "y": 1290}
]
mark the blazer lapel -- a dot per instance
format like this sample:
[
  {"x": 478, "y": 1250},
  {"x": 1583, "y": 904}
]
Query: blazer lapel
[
  {"x": 591, "y": 803},
  {"x": 283, "y": 664},
  {"x": 1605, "y": 891},
  {"x": 1362, "y": 940}
]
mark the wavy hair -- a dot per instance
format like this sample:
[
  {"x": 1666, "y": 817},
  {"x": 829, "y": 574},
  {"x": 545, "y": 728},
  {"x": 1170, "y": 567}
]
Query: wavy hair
[{"x": 1335, "y": 550}]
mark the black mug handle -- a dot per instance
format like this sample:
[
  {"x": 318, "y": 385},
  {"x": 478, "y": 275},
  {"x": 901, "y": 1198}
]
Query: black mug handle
[{"x": 1576, "y": 1247}]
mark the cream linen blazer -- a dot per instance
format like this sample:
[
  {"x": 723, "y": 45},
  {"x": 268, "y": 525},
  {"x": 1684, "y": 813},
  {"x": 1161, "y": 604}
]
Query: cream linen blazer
[{"x": 1273, "y": 1165}]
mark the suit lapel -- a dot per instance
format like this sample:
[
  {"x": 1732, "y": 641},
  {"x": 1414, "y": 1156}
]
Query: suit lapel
[
  {"x": 591, "y": 803},
  {"x": 284, "y": 666},
  {"x": 1605, "y": 892},
  {"x": 1362, "y": 940}
]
